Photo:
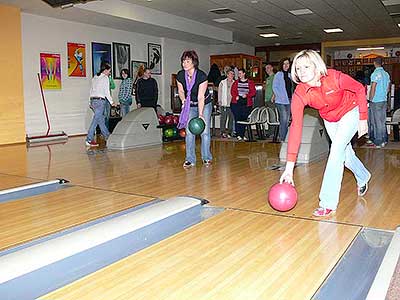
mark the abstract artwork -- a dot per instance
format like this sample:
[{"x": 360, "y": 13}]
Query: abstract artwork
[
  {"x": 100, "y": 53},
  {"x": 121, "y": 58},
  {"x": 50, "y": 71},
  {"x": 154, "y": 58},
  {"x": 76, "y": 60}
]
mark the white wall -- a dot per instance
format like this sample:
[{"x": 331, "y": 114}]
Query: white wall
[{"x": 68, "y": 107}]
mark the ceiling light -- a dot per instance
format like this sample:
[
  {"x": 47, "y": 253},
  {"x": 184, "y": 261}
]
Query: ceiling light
[
  {"x": 333, "y": 30},
  {"x": 65, "y": 6},
  {"x": 298, "y": 12},
  {"x": 265, "y": 27},
  {"x": 390, "y": 2},
  {"x": 398, "y": 24},
  {"x": 224, "y": 20},
  {"x": 222, "y": 11},
  {"x": 370, "y": 48},
  {"x": 269, "y": 35}
]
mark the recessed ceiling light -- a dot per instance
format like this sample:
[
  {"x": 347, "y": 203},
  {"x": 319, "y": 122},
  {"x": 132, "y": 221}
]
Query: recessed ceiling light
[
  {"x": 222, "y": 11},
  {"x": 398, "y": 24},
  {"x": 370, "y": 48},
  {"x": 269, "y": 35},
  {"x": 333, "y": 30},
  {"x": 224, "y": 20},
  {"x": 298, "y": 12},
  {"x": 390, "y": 2},
  {"x": 254, "y": 1},
  {"x": 265, "y": 27}
]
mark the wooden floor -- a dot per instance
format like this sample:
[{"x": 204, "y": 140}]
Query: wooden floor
[{"x": 248, "y": 252}]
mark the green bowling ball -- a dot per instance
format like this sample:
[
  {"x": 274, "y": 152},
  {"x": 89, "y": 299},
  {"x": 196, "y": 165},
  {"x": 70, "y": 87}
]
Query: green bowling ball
[
  {"x": 169, "y": 132},
  {"x": 196, "y": 126}
]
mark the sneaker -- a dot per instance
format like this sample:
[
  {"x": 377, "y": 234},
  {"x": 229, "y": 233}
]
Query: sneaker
[
  {"x": 228, "y": 136},
  {"x": 323, "y": 212},
  {"x": 361, "y": 191},
  {"x": 188, "y": 164},
  {"x": 91, "y": 144},
  {"x": 224, "y": 136},
  {"x": 207, "y": 162},
  {"x": 245, "y": 138},
  {"x": 239, "y": 138},
  {"x": 369, "y": 142}
]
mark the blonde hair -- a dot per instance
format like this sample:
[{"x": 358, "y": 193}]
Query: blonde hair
[{"x": 312, "y": 57}]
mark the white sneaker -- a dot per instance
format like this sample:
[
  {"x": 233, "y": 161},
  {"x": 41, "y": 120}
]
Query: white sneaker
[
  {"x": 239, "y": 138},
  {"x": 245, "y": 138}
]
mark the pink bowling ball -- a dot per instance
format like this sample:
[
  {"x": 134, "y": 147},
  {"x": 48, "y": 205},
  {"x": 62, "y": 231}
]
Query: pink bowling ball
[{"x": 282, "y": 196}]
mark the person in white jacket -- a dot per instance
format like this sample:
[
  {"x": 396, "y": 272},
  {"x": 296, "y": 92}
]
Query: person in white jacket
[{"x": 224, "y": 102}]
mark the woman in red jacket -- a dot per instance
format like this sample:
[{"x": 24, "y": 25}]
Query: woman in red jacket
[
  {"x": 342, "y": 104},
  {"x": 243, "y": 90}
]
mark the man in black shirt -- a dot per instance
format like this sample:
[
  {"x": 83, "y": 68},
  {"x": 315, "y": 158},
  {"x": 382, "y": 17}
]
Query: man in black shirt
[{"x": 146, "y": 91}]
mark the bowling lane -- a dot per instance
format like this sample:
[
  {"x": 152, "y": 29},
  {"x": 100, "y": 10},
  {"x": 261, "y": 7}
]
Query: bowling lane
[
  {"x": 33, "y": 217},
  {"x": 11, "y": 181},
  {"x": 234, "y": 255}
]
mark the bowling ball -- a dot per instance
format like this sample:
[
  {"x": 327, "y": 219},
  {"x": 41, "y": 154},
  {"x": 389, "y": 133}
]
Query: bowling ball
[
  {"x": 182, "y": 132},
  {"x": 176, "y": 120},
  {"x": 161, "y": 119},
  {"x": 175, "y": 131},
  {"x": 196, "y": 126},
  {"x": 169, "y": 132},
  {"x": 169, "y": 120},
  {"x": 282, "y": 196}
]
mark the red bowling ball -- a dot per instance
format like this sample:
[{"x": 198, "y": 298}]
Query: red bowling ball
[
  {"x": 282, "y": 196},
  {"x": 169, "y": 120},
  {"x": 161, "y": 119}
]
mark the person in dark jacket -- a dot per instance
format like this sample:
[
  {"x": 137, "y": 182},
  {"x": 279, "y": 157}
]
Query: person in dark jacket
[{"x": 146, "y": 90}]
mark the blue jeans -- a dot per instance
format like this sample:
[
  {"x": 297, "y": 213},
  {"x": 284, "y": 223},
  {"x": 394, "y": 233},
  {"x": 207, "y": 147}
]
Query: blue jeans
[
  {"x": 341, "y": 155},
  {"x": 107, "y": 110},
  {"x": 190, "y": 139},
  {"x": 125, "y": 109},
  {"x": 284, "y": 116},
  {"x": 378, "y": 120},
  {"x": 97, "y": 106}
]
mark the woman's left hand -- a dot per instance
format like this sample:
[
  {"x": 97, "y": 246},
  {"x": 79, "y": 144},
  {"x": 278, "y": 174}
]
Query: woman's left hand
[{"x": 362, "y": 128}]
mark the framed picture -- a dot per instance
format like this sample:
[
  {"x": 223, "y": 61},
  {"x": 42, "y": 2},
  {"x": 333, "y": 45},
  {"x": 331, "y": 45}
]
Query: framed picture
[
  {"x": 76, "y": 60},
  {"x": 154, "y": 57},
  {"x": 121, "y": 58},
  {"x": 135, "y": 67},
  {"x": 50, "y": 71},
  {"x": 100, "y": 53}
]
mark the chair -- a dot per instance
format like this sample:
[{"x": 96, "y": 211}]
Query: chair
[
  {"x": 273, "y": 120},
  {"x": 262, "y": 121},
  {"x": 251, "y": 120},
  {"x": 395, "y": 124}
]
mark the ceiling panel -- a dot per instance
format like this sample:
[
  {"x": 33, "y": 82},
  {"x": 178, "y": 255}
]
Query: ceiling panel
[{"x": 359, "y": 19}]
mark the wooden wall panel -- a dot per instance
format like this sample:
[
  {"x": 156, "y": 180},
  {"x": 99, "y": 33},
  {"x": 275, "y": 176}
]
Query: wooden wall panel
[{"x": 12, "y": 117}]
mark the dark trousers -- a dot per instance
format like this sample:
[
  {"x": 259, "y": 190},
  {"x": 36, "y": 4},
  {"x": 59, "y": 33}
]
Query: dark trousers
[{"x": 241, "y": 113}]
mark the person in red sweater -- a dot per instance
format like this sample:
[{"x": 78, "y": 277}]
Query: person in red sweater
[
  {"x": 342, "y": 104},
  {"x": 243, "y": 90}
]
